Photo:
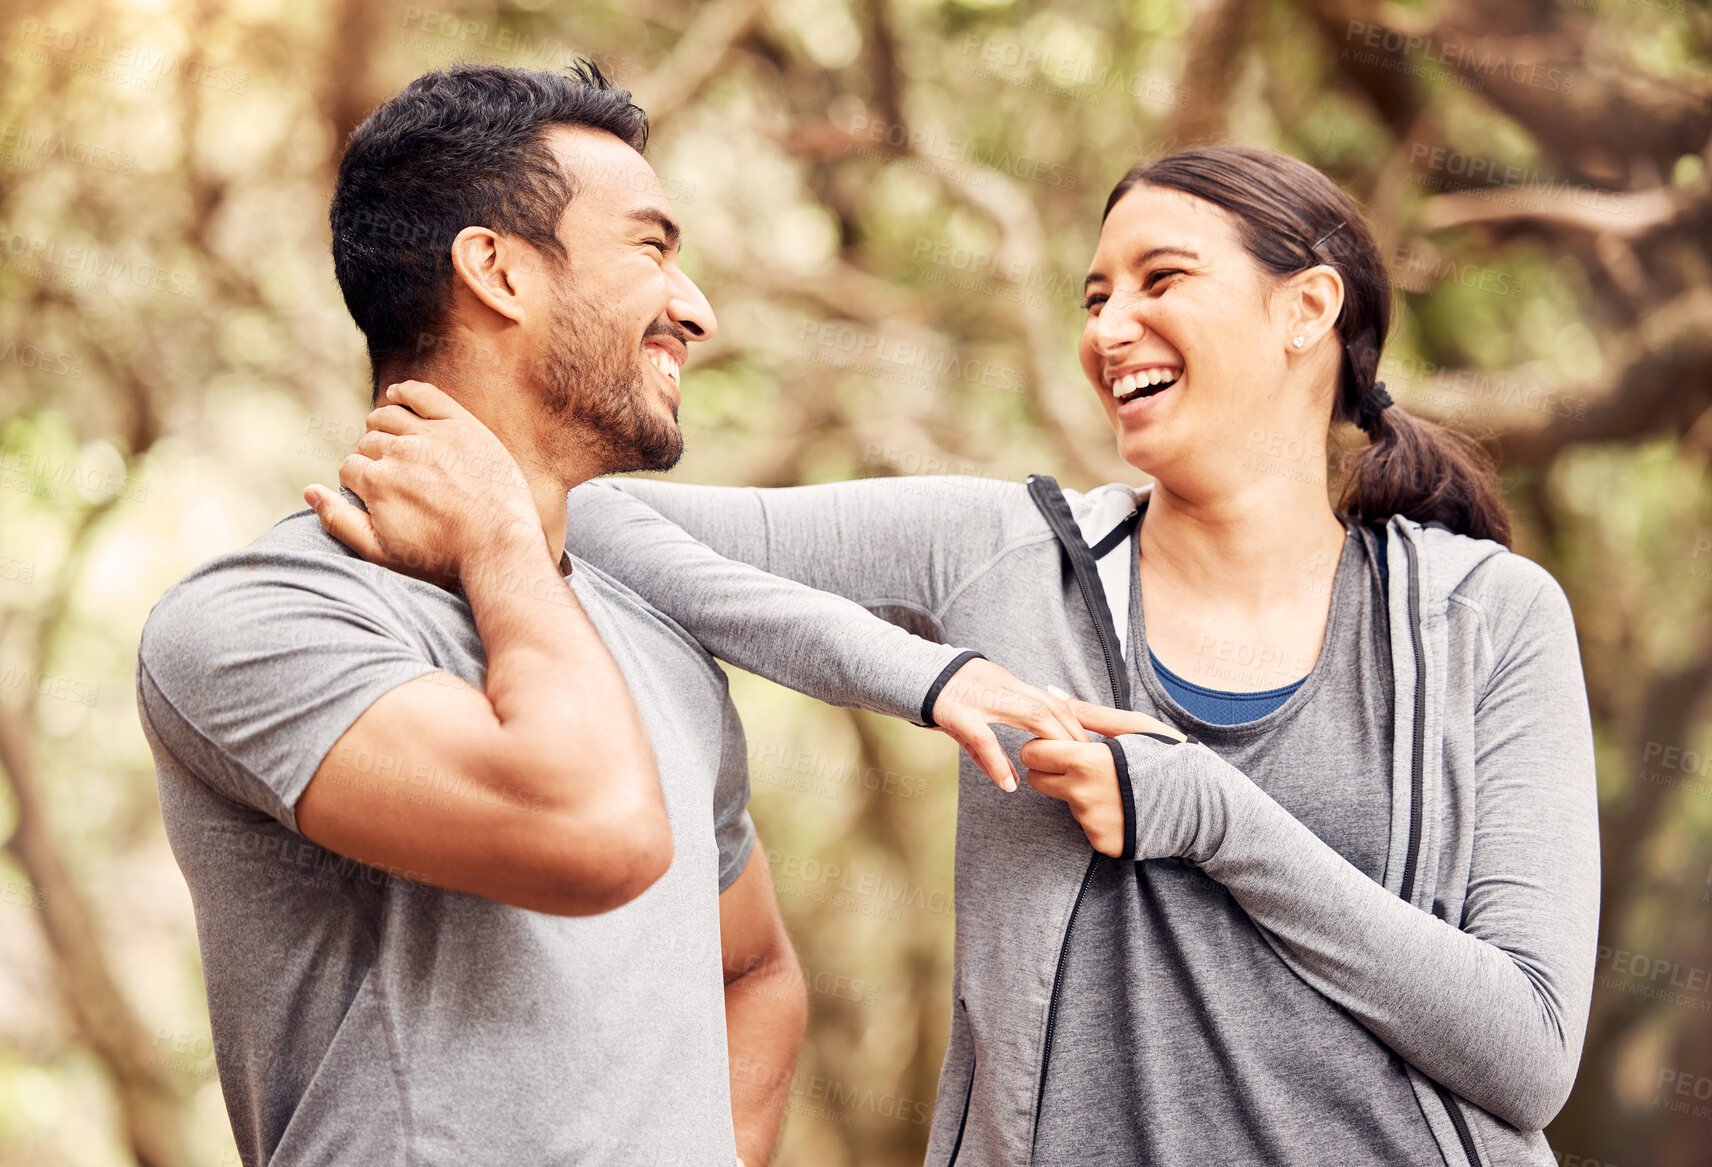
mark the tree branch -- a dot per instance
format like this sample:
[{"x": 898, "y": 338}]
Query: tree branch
[
  {"x": 1663, "y": 385},
  {"x": 148, "y": 1096},
  {"x": 1213, "y": 58},
  {"x": 696, "y": 57}
]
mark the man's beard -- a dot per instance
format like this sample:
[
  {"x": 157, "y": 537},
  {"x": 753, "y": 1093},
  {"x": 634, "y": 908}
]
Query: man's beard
[{"x": 590, "y": 378}]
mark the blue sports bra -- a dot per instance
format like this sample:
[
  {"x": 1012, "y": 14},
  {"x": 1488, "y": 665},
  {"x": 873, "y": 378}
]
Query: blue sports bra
[{"x": 1218, "y": 706}]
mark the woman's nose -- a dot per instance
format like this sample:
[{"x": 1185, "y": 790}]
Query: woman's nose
[{"x": 1118, "y": 324}]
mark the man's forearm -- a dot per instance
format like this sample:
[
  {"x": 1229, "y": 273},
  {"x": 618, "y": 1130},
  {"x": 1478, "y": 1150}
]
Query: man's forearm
[
  {"x": 582, "y": 827},
  {"x": 766, "y": 1008},
  {"x": 549, "y": 674},
  {"x": 569, "y": 731},
  {"x": 765, "y": 1012}
]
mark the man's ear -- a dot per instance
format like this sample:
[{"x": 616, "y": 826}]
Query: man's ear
[
  {"x": 488, "y": 264},
  {"x": 1316, "y": 300}
]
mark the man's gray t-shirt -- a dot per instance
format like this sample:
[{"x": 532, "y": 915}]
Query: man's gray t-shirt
[
  {"x": 1172, "y": 1000},
  {"x": 360, "y": 1018}
]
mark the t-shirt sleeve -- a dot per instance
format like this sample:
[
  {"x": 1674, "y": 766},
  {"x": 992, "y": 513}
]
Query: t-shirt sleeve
[
  {"x": 252, "y": 667},
  {"x": 732, "y": 827}
]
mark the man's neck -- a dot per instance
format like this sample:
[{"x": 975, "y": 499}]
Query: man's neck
[
  {"x": 510, "y": 410},
  {"x": 550, "y": 504}
]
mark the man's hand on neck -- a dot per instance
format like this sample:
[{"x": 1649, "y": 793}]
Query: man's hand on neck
[
  {"x": 444, "y": 494},
  {"x": 492, "y": 386}
]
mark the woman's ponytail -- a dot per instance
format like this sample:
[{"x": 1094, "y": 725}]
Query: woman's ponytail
[
  {"x": 1428, "y": 472},
  {"x": 1411, "y": 466}
]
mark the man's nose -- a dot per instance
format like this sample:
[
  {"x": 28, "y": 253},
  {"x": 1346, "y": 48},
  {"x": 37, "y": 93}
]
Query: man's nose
[{"x": 689, "y": 309}]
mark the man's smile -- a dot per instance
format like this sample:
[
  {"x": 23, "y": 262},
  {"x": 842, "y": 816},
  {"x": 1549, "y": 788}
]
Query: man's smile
[{"x": 665, "y": 359}]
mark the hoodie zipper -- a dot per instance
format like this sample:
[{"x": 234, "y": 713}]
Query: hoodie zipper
[
  {"x": 969, "y": 1095},
  {"x": 1463, "y": 1134},
  {"x": 1417, "y": 783},
  {"x": 1417, "y": 791},
  {"x": 1057, "y": 981},
  {"x": 1049, "y": 499}
]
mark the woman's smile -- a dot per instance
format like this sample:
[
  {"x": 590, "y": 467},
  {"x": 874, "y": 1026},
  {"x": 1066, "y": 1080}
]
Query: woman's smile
[{"x": 1130, "y": 382}]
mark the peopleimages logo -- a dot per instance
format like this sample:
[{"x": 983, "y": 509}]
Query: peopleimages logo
[
  {"x": 37, "y": 474},
  {"x": 1483, "y": 62},
  {"x": 1677, "y": 768},
  {"x": 961, "y": 151},
  {"x": 1474, "y": 176},
  {"x": 143, "y": 61},
  {"x": 1406, "y": 264},
  {"x": 1039, "y": 69},
  {"x": 818, "y": 771},
  {"x": 426, "y": 25},
  {"x": 41, "y": 360},
  {"x": 892, "y": 359},
  {"x": 838, "y": 885},
  {"x": 1661, "y": 974},
  {"x": 1683, "y": 1093},
  {"x": 20, "y": 143},
  {"x": 841, "y": 1097},
  {"x": 32, "y": 255},
  {"x": 20, "y": 678}
]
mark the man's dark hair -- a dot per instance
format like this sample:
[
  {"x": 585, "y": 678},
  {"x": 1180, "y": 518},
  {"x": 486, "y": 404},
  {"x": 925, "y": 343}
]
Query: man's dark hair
[{"x": 459, "y": 148}]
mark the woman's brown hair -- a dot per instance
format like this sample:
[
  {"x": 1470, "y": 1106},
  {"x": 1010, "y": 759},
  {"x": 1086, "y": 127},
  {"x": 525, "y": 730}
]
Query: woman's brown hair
[{"x": 1290, "y": 217}]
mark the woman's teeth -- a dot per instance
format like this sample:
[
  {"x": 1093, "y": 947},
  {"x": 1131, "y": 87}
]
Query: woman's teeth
[
  {"x": 663, "y": 361},
  {"x": 1144, "y": 384}
]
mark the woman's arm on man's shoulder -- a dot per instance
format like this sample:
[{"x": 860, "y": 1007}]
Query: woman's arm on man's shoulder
[{"x": 897, "y": 546}]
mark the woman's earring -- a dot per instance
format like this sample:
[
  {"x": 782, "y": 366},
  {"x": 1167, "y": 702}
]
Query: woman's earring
[{"x": 1297, "y": 340}]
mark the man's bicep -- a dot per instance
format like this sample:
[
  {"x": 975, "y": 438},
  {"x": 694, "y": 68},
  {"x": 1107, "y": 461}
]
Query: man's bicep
[
  {"x": 249, "y": 681},
  {"x": 299, "y": 691},
  {"x": 416, "y": 788},
  {"x": 291, "y": 691},
  {"x": 428, "y": 785}
]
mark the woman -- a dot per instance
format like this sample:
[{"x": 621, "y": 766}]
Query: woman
[{"x": 1352, "y": 919}]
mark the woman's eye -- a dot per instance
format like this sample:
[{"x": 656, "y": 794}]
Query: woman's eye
[
  {"x": 1094, "y": 301},
  {"x": 1154, "y": 278}
]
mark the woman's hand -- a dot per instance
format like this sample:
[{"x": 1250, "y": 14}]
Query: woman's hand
[
  {"x": 980, "y": 695},
  {"x": 1081, "y": 774}
]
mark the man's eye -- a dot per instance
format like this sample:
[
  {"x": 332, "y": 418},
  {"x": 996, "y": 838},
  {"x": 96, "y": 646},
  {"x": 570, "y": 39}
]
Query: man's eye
[{"x": 660, "y": 243}]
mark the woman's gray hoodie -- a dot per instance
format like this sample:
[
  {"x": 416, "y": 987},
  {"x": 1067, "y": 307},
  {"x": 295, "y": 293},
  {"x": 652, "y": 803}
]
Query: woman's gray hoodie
[{"x": 1472, "y": 960}]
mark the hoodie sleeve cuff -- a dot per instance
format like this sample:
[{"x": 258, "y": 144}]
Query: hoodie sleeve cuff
[
  {"x": 1126, "y": 791},
  {"x": 1172, "y": 794},
  {"x": 939, "y": 683}
]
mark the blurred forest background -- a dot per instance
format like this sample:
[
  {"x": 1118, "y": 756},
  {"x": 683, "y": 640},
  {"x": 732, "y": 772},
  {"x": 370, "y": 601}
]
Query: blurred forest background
[{"x": 891, "y": 204}]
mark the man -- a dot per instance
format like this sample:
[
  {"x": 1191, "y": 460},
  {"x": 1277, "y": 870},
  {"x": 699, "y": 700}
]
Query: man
[{"x": 467, "y": 844}]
